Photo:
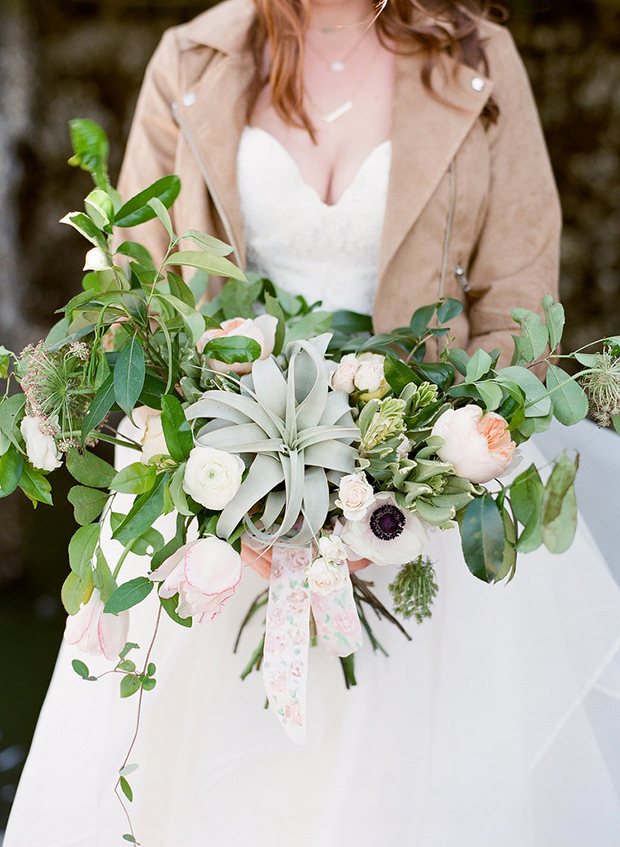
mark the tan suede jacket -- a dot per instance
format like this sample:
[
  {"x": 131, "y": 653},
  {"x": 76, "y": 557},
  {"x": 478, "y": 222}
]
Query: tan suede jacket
[{"x": 472, "y": 210}]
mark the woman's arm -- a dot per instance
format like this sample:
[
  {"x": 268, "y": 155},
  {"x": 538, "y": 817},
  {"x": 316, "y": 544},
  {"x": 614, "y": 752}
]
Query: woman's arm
[{"x": 517, "y": 257}]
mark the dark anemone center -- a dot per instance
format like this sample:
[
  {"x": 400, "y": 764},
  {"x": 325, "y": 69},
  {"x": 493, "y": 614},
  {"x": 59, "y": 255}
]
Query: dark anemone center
[{"x": 387, "y": 522}]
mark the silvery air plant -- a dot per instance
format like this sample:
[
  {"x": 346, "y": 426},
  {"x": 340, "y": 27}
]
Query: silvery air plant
[{"x": 278, "y": 435}]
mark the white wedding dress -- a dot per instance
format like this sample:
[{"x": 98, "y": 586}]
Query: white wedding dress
[{"x": 496, "y": 726}]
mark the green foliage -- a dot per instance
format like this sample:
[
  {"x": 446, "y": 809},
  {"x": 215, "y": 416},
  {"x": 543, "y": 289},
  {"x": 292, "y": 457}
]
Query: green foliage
[{"x": 129, "y": 594}]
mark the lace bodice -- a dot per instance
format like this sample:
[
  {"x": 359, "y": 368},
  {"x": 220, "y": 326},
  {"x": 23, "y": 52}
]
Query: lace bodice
[{"x": 324, "y": 252}]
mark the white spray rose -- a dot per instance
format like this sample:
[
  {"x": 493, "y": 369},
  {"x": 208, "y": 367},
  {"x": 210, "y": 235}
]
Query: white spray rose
[
  {"x": 370, "y": 373},
  {"x": 262, "y": 329},
  {"x": 355, "y": 496},
  {"x": 324, "y": 576},
  {"x": 342, "y": 377},
  {"x": 212, "y": 477},
  {"x": 41, "y": 449},
  {"x": 153, "y": 441},
  {"x": 477, "y": 445}
]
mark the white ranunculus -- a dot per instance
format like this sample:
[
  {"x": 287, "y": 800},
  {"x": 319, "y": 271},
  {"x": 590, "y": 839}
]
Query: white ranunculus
[
  {"x": 262, "y": 329},
  {"x": 355, "y": 496},
  {"x": 332, "y": 548},
  {"x": 96, "y": 260},
  {"x": 204, "y": 573},
  {"x": 325, "y": 576},
  {"x": 477, "y": 445},
  {"x": 153, "y": 441},
  {"x": 388, "y": 535},
  {"x": 212, "y": 477},
  {"x": 97, "y": 632},
  {"x": 40, "y": 448},
  {"x": 342, "y": 377},
  {"x": 370, "y": 373}
]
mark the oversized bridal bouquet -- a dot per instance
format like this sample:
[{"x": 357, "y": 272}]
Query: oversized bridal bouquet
[{"x": 276, "y": 432}]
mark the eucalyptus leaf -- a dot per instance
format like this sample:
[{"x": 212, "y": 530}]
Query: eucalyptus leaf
[
  {"x": 491, "y": 394},
  {"x": 421, "y": 319},
  {"x": 569, "y": 400},
  {"x": 82, "y": 548},
  {"x": 559, "y": 533},
  {"x": 477, "y": 366},
  {"x": 136, "y": 478},
  {"x": 537, "y": 401},
  {"x": 554, "y": 320},
  {"x": 88, "y": 503},
  {"x": 89, "y": 469},
  {"x": 459, "y": 359},
  {"x": 526, "y": 493},
  {"x": 532, "y": 342},
  {"x": 448, "y": 310},
  {"x": 129, "y": 594}
]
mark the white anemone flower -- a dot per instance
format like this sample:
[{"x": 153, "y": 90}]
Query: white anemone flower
[{"x": 387, "y": 535}]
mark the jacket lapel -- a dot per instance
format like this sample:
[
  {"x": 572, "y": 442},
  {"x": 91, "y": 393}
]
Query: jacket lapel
[{"x": 427, "y": 131}]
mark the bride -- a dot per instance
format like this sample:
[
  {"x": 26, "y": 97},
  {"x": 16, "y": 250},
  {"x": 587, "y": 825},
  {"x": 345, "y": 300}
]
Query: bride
[{"x": 377, "y": 159}]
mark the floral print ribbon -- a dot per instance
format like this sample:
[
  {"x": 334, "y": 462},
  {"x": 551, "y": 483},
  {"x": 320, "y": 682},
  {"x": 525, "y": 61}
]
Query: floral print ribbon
[{"x": 287, "y": 637}]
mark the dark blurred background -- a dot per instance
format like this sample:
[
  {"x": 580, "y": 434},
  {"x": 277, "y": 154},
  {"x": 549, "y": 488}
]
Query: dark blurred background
[{"x": 61, "y": 59}]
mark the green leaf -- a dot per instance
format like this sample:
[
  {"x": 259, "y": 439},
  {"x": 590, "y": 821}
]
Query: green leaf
[
  {"x": 126, "y": 788},
  {"x": 177, "y": 431},
  {"x": 129, "y": 685},
  {"x": 128, "y": 836},
  {"x": 237, "y": 300},
  {"x": 129, "y": 375},
  {"x": 273, "y": 308},
  {"x": 491, "y": 394},
  {"x": 526, "y": 493},
  {"x": 350, "y": 323},
  {"x": 5, "y": 360},
  {"x": 143, "y": 514},
  {"x": 170, "y": 607},
  {"x": 180, "y": 289},
  {"x": 126, "y": 665},
  {"x": 449, "y": 310},
  {"x": 192, "y": 319},
  {"x": 148, "y": 683},
  {"x": 554, "y": 320},
  {"x": 82, "y": 548},
  {"x": 35, "y": 486},
  {"x": 88, "y": 503},
  {"x": 534, "y": 337},
  {"x": 616, "y": 423},
  {"x": 560, "y": 481},
  {"x": 483, "y": 538},
  {"x": 151, "y": 669},
  {"x": 569, "y": 400},
  {"x": 90, "y": 147},
  {"x": 129, "y": 594},
  {"x": 134, "y": 479},
  {"x": 233, "y": 348},
  {"x": 398, "y": 375},
  {"x": 162, "y": 213},
  {"x": 138, "y": 211},
  {"x": 179, "y": 498},
  {"x": 150, "y": 541},
  {"x": 129, "y": 646},
  {"x": 587, "y": 359},
  {"x": 208, "y": 262},
  {"x": 208, "y": 242},
  {"x": 310, "y": 325},
  {"x": 128, "y": 770},
  {"x": 459, "y": 359},
  {"x": 101, "y": 404},
  {"x": 421, "y": 319},
  {"x": 11, "y": 409},
  {"x": 100, "y": 209},
  {"x": 76, "y": 590},
  {"x": 438, "y": 372},
  {"x": 477, "y": 366},
  {"x": 85, "y": 226},
  {"x": 11, "y": 467},
  {"x": 89, "y": 469},
  {"x": 138, "y": 252},
  {"x": 103, "y": 578},
  {"x": 559, "y": 533},
  {"x": 80, "y": 668},
  {"x": 538, "y": 404}
]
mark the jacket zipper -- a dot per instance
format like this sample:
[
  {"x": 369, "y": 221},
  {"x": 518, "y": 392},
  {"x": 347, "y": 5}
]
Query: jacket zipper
[{"x": 208, "y": 182}]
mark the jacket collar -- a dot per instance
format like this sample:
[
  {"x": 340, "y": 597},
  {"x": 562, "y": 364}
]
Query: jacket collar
[{"x": 427, "y": 129}]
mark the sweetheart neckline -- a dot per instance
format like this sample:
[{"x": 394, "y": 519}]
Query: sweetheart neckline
[{"x": 299, "y": 174}]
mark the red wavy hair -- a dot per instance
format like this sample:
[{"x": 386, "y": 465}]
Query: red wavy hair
[{"x": 434, "y": 26}]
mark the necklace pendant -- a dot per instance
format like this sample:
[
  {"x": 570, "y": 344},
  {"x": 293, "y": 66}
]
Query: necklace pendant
[
  {"x": 337, "y": 67},
  {"x": 338, "y": 112}
]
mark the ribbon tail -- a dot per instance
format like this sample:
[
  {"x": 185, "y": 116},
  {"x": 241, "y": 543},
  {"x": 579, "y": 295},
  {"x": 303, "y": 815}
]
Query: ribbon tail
[
  {"x": 338, "y": 626},
  {"x": 287, "y": 639}
]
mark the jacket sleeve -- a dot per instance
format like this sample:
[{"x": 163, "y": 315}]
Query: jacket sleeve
[
  {"x": 152, "y": 144},
  {"x": 516, "y": 262}
]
